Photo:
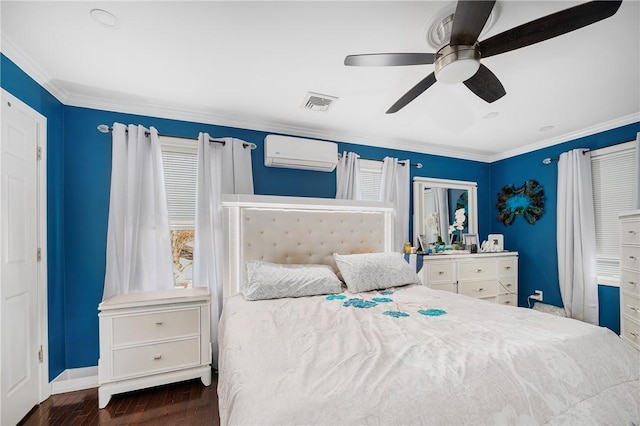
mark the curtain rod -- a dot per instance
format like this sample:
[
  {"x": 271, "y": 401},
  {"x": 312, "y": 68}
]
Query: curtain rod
[
  {"x": 416, "y": 165},
  {"x": 103, "y": 128},
  {"x": 548, "y": 160}
]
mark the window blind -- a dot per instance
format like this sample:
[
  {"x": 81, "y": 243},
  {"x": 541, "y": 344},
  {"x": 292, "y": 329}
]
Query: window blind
[
  {"x": 613, "y": 177},
  {"x": 180, "y": 162},
  {"x": 370, "y": 179}
]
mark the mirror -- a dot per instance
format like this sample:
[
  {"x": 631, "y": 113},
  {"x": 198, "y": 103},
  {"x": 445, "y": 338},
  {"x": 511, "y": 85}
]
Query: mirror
[{"x": 435, "y": 202}]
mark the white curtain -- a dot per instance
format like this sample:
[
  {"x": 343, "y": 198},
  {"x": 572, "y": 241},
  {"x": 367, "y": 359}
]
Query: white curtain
[
  {"x": 637, "y": 179},
  {"x": 222, "y": 168},
  {"x": 138, "y": 241},
  {"x": 576, "y": 239},
  {"x": 348, "y": 177},
  {"x": 394, "y": 187},
  {"x": 441, "y": 203}
]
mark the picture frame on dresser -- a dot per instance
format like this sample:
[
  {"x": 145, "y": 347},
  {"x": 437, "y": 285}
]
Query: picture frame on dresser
[{"x": 470, "y": 242}]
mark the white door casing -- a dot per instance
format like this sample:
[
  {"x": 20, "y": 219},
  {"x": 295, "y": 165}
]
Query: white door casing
[{"x": 23, "y": 296}]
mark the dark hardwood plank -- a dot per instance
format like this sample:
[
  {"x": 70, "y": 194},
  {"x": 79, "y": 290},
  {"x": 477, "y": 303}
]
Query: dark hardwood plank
[{"x": 185, "y": 403}]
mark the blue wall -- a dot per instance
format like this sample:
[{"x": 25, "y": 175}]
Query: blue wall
[{"x": 538, "y": 266}]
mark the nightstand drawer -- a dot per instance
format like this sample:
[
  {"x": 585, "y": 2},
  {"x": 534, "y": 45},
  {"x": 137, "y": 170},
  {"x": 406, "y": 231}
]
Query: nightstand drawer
[
  {"x": 630, "y": 257},
  {"x": 631, "y": 306},
  {"x": 439, "y": 273},
  {"x": 141, "y": 360},
  {"x": 507, "y": 285},
  {"x": 507, "y": 268},
  {"x": 630, "y": 282},
  {"x": 155, "y": 326},
  {"x": 480, "y": 289},
  {"x": 630, "y": 232},
  {"x": 476, "y": 270}
]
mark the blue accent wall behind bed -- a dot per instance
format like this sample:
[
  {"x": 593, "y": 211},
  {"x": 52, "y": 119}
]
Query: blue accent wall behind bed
[{"x": 79, "y": 164}]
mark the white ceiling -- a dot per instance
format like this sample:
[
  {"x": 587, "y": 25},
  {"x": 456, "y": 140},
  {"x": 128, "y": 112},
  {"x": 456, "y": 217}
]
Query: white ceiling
[{"x": 250, "y": 64}]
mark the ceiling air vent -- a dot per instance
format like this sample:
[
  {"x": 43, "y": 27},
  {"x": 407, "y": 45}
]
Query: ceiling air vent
[{"x": 318, "y": 102}]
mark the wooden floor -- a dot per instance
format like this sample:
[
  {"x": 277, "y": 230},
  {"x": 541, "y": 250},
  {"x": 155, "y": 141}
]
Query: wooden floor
[{"x": 186, "y": 403}]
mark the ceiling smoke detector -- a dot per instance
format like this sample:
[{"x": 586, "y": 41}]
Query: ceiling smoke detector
[{"x": 318, "y": 102}]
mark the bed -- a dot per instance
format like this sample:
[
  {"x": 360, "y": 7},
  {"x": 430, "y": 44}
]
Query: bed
[{"x": 398, "y": 355}]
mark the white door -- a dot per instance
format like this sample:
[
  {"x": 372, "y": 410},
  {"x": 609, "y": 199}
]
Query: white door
[{"x": 19, "y": 316}]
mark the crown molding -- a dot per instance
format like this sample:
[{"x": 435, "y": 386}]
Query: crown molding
[
  {"x": 32, "y": 69},
  {"x": 591, "y": 130}
]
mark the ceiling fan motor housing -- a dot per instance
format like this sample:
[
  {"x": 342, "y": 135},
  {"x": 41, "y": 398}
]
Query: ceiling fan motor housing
[{"x": 455, "y": 64}]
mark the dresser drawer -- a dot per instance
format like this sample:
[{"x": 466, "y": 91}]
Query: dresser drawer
[
  {"x": 507, "y": 268},
  {"x": 630, "y": 232},
  {"x": 476, "y": 270},
  {"x": 439, "y": 273},
  {"x": 507, "y": 285},
  {"x": 630, "y": 257},
  {"x": 451, "y": 287},
  {"x": 630, "y": 331},
  {"x": 630, "y": 282},
  {"x": 480, "y": 289},
  {"x": 508, "y": 299},
  {"x": 152, "y": 358},
  {"x": 630, "y": 306},
  {"x": 155, "y": 326}
]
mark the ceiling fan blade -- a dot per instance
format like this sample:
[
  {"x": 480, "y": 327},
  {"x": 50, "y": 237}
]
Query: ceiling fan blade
[
  {"x": 486, "y": 85},
  {"x": 468, "y": 20},
  {"x": 549, "y": 26},
  {"x": 389, "y": 59},
  {"x": 415, "y": 91}
]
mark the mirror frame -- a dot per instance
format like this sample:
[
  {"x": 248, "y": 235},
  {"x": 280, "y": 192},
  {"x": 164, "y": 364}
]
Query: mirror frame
[{"x": 419, "y": 185}]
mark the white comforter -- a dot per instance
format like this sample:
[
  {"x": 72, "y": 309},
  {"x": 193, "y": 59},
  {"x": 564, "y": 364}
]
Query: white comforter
[{"x": 314, "y": 360}]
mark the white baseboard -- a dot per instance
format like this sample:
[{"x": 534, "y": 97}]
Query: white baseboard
[{"x": 75, "y": 379}]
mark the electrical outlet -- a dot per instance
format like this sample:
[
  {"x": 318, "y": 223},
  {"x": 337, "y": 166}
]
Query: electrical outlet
[{"x": 537, "y": 295}]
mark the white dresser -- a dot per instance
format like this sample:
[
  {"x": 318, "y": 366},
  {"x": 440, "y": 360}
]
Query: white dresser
[
  {"x": 153, "y": 338},
  {"x": 488, "y": 276},
  {"x": 630, "y": 277}
]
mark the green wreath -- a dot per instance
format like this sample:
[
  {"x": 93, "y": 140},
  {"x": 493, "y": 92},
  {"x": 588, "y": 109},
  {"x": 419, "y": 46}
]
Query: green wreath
[{"x": 528, "y": 201}]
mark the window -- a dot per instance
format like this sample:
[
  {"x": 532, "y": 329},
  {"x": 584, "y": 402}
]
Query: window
[
  {"x": 180, "y": 161},
  {"x": 370, "y": 178},
  {"x": 613, "y": 175}
]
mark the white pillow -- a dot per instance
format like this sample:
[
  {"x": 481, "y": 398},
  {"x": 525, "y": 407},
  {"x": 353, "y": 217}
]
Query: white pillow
[
  {"x": 272, "y": 281},
  {"x": 373, "y": 271}
]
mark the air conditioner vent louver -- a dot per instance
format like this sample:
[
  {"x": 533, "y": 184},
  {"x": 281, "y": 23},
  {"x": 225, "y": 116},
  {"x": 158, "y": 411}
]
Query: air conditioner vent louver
[{"x": 318, "y": 102}]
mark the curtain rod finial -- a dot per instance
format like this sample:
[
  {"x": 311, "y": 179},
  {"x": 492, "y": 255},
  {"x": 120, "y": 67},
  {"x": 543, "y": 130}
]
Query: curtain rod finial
[
  {"x": 103, "y": 128},
  {"x": 546, "y": 161}
]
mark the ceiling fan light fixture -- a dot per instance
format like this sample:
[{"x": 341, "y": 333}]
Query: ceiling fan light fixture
[{"x": 456, "y": 64}]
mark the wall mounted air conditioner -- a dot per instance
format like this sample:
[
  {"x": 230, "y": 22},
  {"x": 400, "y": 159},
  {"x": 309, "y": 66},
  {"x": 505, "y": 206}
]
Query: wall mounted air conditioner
[{"x": 298, "y": 153}]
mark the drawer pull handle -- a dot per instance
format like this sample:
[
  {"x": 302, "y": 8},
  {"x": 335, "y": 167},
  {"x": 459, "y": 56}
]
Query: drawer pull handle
[
  {"x": 478, "y": 270},
  {"x": 632, "y": 257},
  {"x": 633, "y": 334},
  {"x": 507, "y": 267},
  {"x": 507, "y": 302},
  {"x": 631, "y": 232},
  {"x": 480, "y": 289},
  {"x": 632, "y": 282},
  {"x": 509, "y": 285},
  {"x": 633, "y": 308},
  {"x": 159, "y": 322},
  {"x": 440, "y": 272},
  {"x": 157, "y": 357}
]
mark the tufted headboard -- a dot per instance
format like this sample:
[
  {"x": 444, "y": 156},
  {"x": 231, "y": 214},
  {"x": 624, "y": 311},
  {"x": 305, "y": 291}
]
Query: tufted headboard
[{"x": 299, "y": 230}]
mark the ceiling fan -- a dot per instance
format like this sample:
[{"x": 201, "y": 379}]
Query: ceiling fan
[{"x": 459, "y": 61}]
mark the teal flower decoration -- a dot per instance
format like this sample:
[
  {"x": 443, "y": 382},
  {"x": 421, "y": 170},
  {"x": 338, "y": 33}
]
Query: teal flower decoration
[
  {"x": 386, "y": 292},
  {"x": 359, "y": 303},
  {"x": 336, "y": 297},
  {"x": 432, "y": 312},
  {"x": 395, "y": 314},
  {"x": 382, "y": 299},
  {"x": 528, "y": 201}
]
